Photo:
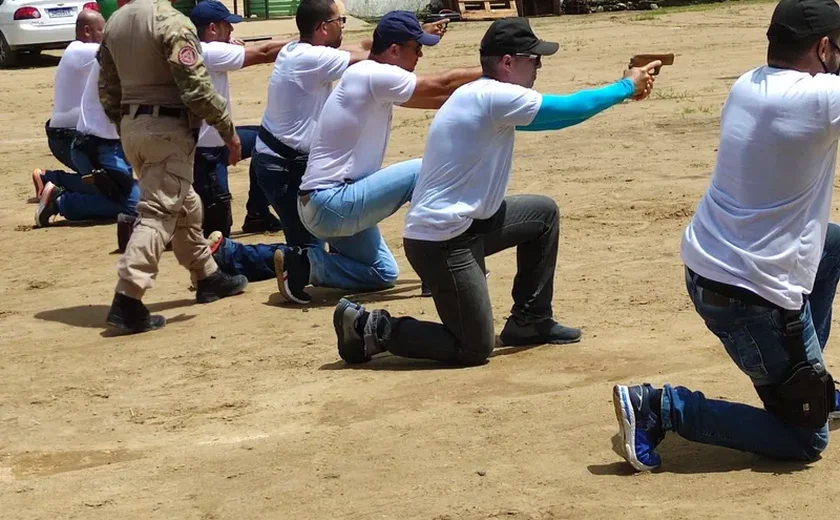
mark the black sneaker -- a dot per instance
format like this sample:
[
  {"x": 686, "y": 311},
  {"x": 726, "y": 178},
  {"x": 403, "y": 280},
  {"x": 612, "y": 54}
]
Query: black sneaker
[
  {"x": 516, "y": 334},
  {"x": 291, "y": 267},
  {"x": 131, "y": 316},
  {"x": 267, "y": 223},
  {"x": 219, "y": 285},
  {"x": 47, "y": 205},
  {"x": 349, "y": 321}
]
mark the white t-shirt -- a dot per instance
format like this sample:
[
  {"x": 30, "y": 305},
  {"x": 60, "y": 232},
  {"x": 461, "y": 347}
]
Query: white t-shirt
[
  {"x": 92, "y": 118},
  {"x": 761, "y": 224},
  {"x": 70, "y": 76},
  {"x": 351, "y": 137},
  {"x": 467, "y": 161},
  {"x": 300, "y": 84},
  {"x": 219, "y": 57}
]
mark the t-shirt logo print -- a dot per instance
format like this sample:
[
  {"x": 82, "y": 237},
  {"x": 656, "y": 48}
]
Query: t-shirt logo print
[{"x": 187, "y": 56}]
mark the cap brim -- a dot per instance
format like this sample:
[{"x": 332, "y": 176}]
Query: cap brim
[
  {"x": 544, "y": 48},
  {"x": 234, "y": 18},
  {"x": 428, "y": 39}
]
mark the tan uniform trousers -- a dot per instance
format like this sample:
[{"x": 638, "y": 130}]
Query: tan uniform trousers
[{"x": 161, "y": 151}]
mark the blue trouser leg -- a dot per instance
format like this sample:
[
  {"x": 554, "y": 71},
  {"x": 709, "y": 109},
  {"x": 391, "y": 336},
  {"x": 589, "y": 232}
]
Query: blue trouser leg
[
  {"x": 825, "y": 284},
  {"x": 60, "y": 142},
  {"x": 215, "y": 195},
  {"x": 69, "y": 181},
  {"x": 279, "y": 179},
  {"x": 347, "y": 217},
  {"x": 95, "y": 206},
  {"x": 752, "y": 336},
  {"x": 255, "y": 261},
  {"x": 257, "y": 204}
]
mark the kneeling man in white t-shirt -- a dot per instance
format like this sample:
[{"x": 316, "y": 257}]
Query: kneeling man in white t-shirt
[
  {"x": 345, "y": 192},
  {"x": 459, "y": 213},
  {"x": 761, "y": 259}
]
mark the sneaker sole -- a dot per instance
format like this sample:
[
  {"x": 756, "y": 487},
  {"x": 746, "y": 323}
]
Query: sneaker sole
[
  {"x": 283, "y": 281},
  {"x": 45, "y": 196},
  {"x": 532, "y": 342},
  {"x": 216, "y": 297},
  {"x": 338, "y": 324},
  {"x": 627, "y": 427}
]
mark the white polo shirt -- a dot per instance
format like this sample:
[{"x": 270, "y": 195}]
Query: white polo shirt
[
  {"x": 761, "y": 224},
  {"x": 300, "y": 84},
  {"x": 69, "y": 83},
  {"x": 92, "y": 117},
  {"x": 467, "y": 162},
  {"x": 220, "y": 58},
  {"x": 351, "y": 137}
]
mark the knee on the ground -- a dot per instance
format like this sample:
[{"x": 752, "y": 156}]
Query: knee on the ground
[
  {"x": 387, "y": 272},
  {"x": 814, "y": 445}
]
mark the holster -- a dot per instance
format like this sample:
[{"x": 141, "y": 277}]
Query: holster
[
  {"x": 125, "y": 226},
  {"x": 807, "y": 395},
  {"x": 114, "y": 185}
]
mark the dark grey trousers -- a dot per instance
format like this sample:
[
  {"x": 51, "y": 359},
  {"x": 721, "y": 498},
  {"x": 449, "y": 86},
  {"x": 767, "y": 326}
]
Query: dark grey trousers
[{"x": 454, "y": 271}]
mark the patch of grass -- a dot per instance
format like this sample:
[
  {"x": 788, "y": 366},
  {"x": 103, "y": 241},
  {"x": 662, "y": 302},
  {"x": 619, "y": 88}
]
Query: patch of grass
[{"x": 671, "y": 94}]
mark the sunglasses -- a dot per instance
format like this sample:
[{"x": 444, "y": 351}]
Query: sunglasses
[{"x": 536, "y": 58}]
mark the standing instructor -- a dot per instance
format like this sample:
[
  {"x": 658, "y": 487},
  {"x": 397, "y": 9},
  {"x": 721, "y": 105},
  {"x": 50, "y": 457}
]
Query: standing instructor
[{"x": 155, "y": 87}]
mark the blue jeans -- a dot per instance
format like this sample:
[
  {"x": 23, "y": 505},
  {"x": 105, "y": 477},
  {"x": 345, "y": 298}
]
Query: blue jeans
[
  {"x": 752, "y": 336},
  {"x": 87, "y": 205},
  {"x": 347, "y": 216},
  {"x": 60, "y": 142},
  {"x": 255, "y": 262},
  {"x": 279, "y": 179},
  {"x": 257, "y": 204}
]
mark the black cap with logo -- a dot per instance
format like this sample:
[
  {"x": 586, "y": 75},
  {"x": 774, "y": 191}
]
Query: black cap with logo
[
  {"x": 514, "y": 36},
  {"x": 796, "y": 20}
]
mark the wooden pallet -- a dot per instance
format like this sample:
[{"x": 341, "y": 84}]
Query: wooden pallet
[{"x": 487, "y": 9}]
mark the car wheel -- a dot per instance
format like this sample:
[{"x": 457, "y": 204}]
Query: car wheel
[{"x": 8, "y": 56}]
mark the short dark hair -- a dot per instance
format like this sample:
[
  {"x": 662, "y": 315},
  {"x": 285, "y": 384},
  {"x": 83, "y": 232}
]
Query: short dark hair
[
  {"x": 488, "y": 65},
  {"x": 310, "y": 13},
  {"x": 379, "y": 45},
  {"x": 201, "y": 29},
  {"x": 791, "y": 51}
]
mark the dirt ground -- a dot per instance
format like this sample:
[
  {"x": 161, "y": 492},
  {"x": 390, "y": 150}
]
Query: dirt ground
[{"x": 242, "y": 408}]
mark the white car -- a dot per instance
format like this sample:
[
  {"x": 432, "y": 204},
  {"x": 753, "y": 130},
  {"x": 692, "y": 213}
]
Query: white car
[{"x": 35, "y": 25}]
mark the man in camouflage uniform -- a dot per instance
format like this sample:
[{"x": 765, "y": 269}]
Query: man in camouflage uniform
[{"x": 154, "y": 86}]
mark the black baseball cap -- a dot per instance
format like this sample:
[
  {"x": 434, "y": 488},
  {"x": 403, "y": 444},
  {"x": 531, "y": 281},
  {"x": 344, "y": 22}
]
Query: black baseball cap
[
  {"x": 795, "y": 20},
  {"x": 514, "y": 35}
]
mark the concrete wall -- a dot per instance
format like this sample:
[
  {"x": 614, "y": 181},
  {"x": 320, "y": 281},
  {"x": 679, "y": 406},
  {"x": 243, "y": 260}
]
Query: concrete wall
[{"x": 372, "y": 8}]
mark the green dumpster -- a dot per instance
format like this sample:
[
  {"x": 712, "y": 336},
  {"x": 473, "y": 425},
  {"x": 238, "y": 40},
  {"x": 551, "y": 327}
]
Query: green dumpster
[
  {"x": 185, "y": 6},
  {"x": 276, "y": 8},
  {"x": 107, "y": 7}
]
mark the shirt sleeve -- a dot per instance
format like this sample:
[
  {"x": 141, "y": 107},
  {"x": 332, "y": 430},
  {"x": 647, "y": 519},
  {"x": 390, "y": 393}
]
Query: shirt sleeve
[
  {"x": 558, "y": 112},
  {"x": 512, "y": 105},
  {"x": 391, "y": 84},
  {"x": 331, "y": 63},
  {"x": 223, "y": 57}
]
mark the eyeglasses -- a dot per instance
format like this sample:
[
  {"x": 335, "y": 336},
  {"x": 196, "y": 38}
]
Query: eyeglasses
[
  {"x": 418, "y": 48},
  {"x": 536, "y": 58},
  {"x": 342, "y": 19}
]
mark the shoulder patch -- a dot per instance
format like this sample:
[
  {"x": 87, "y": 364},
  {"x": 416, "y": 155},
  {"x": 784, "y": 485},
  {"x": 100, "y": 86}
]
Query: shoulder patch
[{"x": 187, "y": 56}]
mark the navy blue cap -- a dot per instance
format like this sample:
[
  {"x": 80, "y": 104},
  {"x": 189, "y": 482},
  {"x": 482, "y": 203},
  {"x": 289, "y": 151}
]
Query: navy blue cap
[
  {"x": 403, "y": 26},
  {"x": 212, "y": 11}
]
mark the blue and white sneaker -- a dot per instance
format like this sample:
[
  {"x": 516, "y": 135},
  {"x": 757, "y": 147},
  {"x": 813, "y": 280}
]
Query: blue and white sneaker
[{"x": 640, "y": 427}]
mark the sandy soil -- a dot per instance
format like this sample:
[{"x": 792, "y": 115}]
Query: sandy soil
[{"x": 242, "y": 408}]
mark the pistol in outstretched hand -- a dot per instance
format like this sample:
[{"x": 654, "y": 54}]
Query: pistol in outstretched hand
[{"x": 640, "y": 60}]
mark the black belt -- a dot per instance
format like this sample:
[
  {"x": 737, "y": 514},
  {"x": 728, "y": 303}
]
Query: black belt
[
  {"x": 149, "y": 110},
  {"x": 719, "y": 294},
  {"x": 275, "y": 145}
]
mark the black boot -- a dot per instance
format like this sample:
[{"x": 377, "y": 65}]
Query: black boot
[
  {"x": 219, "y": 285},
  {"x": 130, "y": 315}
]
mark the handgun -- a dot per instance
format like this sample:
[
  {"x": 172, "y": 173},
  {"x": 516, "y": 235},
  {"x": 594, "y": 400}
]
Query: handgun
[{"x": 640, "y": 60}]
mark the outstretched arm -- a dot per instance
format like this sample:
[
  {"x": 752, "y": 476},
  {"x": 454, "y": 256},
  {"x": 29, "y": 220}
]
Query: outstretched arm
[{"x": 432, "y": 91}]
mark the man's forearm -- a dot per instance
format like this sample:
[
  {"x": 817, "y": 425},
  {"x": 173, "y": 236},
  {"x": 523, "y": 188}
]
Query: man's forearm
[
  {"x": 265, "y": 52},
  {"x": 457, "y": 77}
]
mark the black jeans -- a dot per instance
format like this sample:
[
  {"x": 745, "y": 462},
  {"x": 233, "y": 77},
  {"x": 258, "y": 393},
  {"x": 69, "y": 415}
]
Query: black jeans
[
  {"x": 454, "y": 271},
  {"x": 280, "y": 179}
]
